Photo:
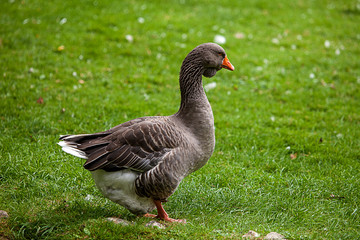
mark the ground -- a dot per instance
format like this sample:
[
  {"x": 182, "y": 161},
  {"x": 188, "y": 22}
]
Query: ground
[{"x": 287, "y": 119}]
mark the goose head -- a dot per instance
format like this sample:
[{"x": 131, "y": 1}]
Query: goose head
[{"x": 212, "y": 58}]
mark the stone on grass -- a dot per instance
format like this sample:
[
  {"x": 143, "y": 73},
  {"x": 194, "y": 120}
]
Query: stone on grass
[
  {"x": 118, "y": 221},
  {"x": 154, "y": 223},
  {"x": 251, "y": 235},
  {"x": 3, "y": 214},
  {"x": 274, "y": 236}
]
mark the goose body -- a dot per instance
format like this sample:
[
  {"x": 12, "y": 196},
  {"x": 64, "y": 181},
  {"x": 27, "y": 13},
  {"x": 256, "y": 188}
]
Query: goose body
[{"x": 140, "y": 163}]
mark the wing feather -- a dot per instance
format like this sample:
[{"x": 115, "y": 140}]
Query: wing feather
[{"x": 139, "y": 144}]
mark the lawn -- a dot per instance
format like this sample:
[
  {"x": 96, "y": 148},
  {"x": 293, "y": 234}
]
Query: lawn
[{"x": 287, "y": 155}]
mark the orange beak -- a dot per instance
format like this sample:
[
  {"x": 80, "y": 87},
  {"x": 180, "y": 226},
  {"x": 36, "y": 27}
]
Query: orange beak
[{"x": 226, "y": 64}]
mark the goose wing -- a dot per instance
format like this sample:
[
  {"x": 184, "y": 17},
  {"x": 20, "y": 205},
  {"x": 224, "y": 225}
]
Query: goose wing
[{"x": 139, "y": 145}]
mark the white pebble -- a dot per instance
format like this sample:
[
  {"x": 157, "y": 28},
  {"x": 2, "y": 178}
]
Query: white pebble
[
  {"x": 210, "y": 86},
  {"x": 63, "y": 21},
  {"x": 219, "y": 39},
  {"x": 327, "y": 43},
  {"x": 129, "y": 37},
  {"x": 239, "y": 35},
  {"x": 141, "y": 20}
]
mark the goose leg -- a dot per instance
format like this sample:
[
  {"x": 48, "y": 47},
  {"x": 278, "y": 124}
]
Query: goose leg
[{"x": 162, "y": 214}]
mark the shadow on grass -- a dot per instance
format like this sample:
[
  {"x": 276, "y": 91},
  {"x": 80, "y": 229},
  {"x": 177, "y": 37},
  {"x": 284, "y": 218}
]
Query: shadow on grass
[
  {"x": 58, "y": 221},
  {"x": 351, "y": 12}
]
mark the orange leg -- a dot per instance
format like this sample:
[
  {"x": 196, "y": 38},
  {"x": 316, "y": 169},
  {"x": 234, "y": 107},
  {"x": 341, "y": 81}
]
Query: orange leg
[{"x": 162, "y": 214}]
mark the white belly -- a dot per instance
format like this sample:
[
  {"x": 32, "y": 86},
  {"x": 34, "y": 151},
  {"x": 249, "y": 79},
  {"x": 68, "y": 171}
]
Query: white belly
[{"x": 119, "y": 187}]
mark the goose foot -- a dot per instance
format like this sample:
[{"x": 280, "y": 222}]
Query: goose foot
[{"x": 162, "y": 215}]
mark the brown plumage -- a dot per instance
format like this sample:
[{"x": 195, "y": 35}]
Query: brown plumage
[{"x": 140, "y": 163}]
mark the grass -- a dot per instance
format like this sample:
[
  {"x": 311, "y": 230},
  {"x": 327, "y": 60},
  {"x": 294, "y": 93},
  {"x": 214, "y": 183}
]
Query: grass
[{"x": 287, "y": 120}]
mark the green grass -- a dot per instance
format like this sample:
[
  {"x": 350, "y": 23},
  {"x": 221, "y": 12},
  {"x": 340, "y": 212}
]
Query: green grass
[{"x": 287, "y": 92}]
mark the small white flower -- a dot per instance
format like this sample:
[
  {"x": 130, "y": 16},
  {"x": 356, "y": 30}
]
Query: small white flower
[
  {"x": 89, "y": 197},
  {"x": 272, "y": 118},
  {"x": 219, "y": 39},
  {"x": 129, "y": 37},
  {"x": 26, "y": 21},
  {"x": 287, "y": 148},
  {"x": 327, "y": 43},
  {"x": 63, "y": 21},
  {"x": 74, "y": 74},
  {"x": 311, "y": 75},
  {"x": 146, "y": 97},
  {"x": 141, "y": 20},
  {"x": 293, "y": 46},
  {"x": 259, "y": 68},
  {"x": 275, "y": 41},
  {"x": 299, "y": 37},
  {"x": 210, "y": 86},
  {"x": 337, "y": 51},
  {"x": 339, "y": 135},
  {"x": 266, "y": 62},
  {"x": 184, "y": 36},
  {"x": 81, "y": 57}
]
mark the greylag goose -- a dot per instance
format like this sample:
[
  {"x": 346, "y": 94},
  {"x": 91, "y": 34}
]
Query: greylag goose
[{"x": 140, "y": 163}]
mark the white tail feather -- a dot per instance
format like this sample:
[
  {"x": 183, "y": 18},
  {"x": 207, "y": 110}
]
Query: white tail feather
[{"x": 71, "y": 150}]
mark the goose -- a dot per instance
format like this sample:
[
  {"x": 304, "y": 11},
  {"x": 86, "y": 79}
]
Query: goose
[{"x": 140, "y": 163}]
